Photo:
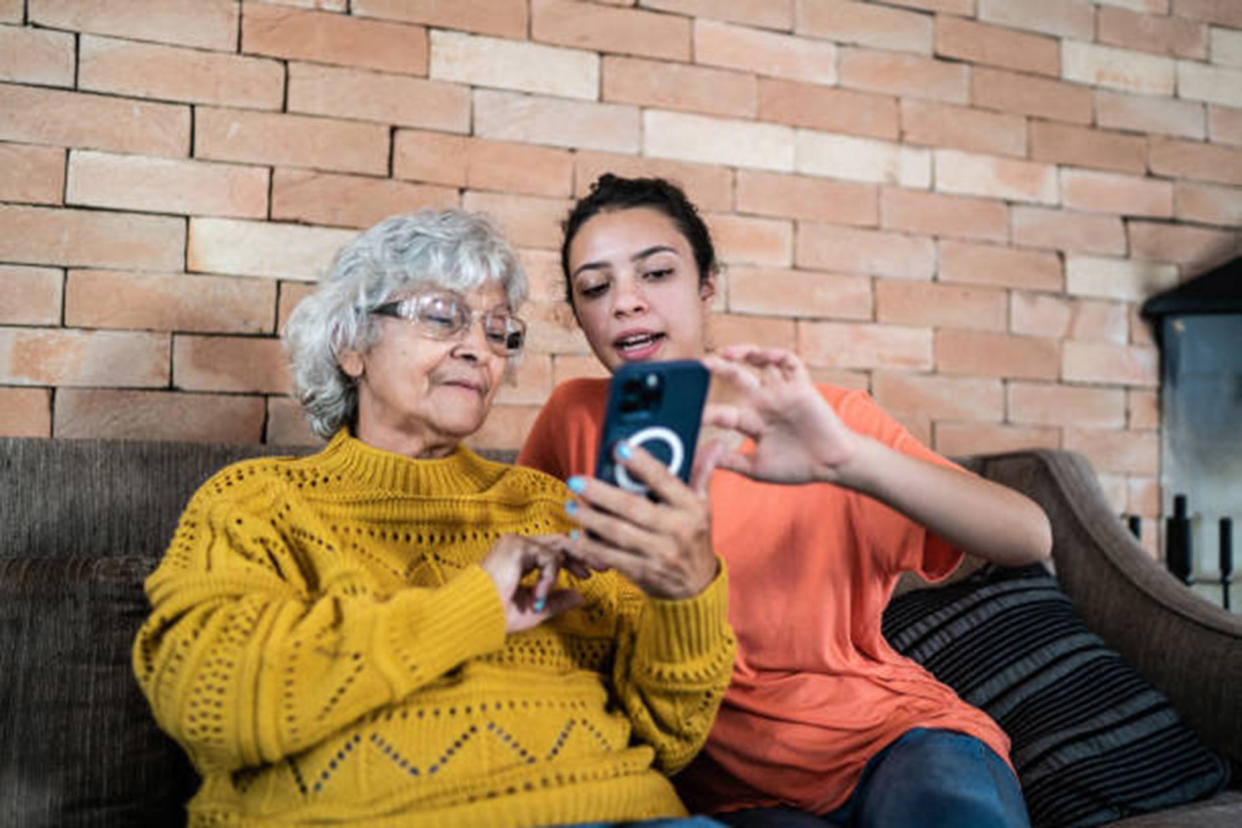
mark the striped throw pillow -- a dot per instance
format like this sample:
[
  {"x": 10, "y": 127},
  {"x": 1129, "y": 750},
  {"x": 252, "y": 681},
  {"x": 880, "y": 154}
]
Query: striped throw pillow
[{"x": 1092, "y": 740}]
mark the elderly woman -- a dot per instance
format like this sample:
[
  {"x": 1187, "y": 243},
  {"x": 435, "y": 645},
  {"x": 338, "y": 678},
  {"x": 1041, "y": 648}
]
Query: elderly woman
[{"x": 386, "y": 632}]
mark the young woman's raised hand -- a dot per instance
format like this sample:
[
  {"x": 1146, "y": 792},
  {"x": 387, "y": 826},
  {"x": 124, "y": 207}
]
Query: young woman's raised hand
[{"x": 797, "y": 436}]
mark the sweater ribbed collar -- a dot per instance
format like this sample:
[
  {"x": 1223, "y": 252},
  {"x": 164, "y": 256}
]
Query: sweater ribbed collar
[{"x": 461, "y": 473}]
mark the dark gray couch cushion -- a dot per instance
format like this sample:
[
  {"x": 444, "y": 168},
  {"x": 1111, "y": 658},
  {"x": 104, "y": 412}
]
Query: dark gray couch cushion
[{"x": 1092, "y": 740}]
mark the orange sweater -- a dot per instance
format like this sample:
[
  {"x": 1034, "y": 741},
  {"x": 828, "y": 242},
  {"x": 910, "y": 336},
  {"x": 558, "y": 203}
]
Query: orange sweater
[
  {"x": 326, "y": 648},
  {"x": 816, "y": 690}
]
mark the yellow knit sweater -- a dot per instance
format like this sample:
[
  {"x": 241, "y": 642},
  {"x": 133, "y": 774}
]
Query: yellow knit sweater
[{"x": 325, "y": 647}]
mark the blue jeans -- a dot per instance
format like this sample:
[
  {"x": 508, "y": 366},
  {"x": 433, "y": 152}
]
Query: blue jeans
[{"x": 927, "y": 778}]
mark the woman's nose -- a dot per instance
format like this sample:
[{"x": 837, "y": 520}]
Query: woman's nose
[{"x": 628, "y": 297}]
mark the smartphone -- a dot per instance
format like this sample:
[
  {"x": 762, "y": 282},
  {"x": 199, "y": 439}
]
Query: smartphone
[{"x": 658, "y": 406}]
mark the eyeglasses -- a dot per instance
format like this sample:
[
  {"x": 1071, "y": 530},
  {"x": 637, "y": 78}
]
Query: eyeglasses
[{"x": 446, "y": 315}]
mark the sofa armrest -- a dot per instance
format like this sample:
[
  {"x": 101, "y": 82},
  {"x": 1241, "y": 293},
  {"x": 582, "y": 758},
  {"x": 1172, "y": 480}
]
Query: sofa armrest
[{"x": 1188, "y": 648}]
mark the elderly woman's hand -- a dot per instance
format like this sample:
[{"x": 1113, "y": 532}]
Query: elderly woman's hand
[
  {"x": 664, "y": 547},
  {"x": 508, "y": 562}
]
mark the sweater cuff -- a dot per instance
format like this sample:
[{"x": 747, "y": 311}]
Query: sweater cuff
[
  {"x": 429, "y": 631},
  {"x": 689, "y": 628}
]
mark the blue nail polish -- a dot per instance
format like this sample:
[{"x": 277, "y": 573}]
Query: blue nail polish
[
  {"x": 576, "y": 484},
  {"x": 571, "y": 507},
  {"x": 540, "y": 604},
  {"x": 625, "y": 451},
  {"x": 574, "y": 534}
]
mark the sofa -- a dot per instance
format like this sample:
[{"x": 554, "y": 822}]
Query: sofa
[{"x": 84, "y": 521}]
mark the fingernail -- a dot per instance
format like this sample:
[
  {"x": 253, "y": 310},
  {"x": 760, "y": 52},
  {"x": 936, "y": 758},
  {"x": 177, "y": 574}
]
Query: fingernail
[
  {"x": 573, "y": 534},
  {"x": 571, "y": 507},
  {"x": 625, "y": 451},
  {"x": 540, "y": 604},
  {"x": 576, "y": 484}
]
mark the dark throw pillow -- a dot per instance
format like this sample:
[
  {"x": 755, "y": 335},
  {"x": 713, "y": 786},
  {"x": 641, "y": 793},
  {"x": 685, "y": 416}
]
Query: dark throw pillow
[
  {"x": 78, "y": 744},
  {"x": 1092, "y": 740}
]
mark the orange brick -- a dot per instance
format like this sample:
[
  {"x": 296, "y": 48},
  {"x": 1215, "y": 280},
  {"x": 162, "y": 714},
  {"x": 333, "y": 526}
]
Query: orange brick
[
  {"x": 769, "y": 14},
  {"x": 1083, "y": 147},
  {"x": 800, "y": 293},
  {"x": 158, "y": 415},
  {"x": 1192, "y": 159},
  {"x": 12, "y": 11},
  {"x": 1111, "y": 193},
  {"x": 325, "y": 37},
  {"x": 543, "y": 274},
  {"x": 987, "y": 175},
  {"x": 1144, "y": 113},
  {"x": 1225, "y": 125},
  {"x": 349, "y": 200},
  {"x": 1153, "y": 33},
  {"x": 687, "y": 137},
  {"x": 812, "y": 199},
  {"x": 474, "y": 60},
  {"x": 503, "y": 18},
  {"x": 1066, "y": 230},
  {"x": 973, "y": 42},
  {"x": 866, "y": 25},
  {"x": 934, "y": 305},
  {"x": 36, "y": 56},
  {"x": 917, "y": 423},
  {"x": 710, "y": 187},
  {"x": 1117, "y": 278},
  {"x": 30, "y": 295},
  {"x": 1062, "y": 405},
  {"x": 228, "y": 363},
  {"x": 1144, "y": 496},
  {"x": 566, "y": 367},
  {"x": 940, "y": 397},
  {"x": 46, "y": 235},
  {"x": 1064, "y": 18},
  {"x": 530, "y": 384},
  {"x": 1208, "y": 203},
  {"x": 256, "y": 248},
  {"x": 960, "y": 127},
  {"x": 175, "y": 73},
  {"x": 207, "y": 24},
  {"x": 518, "y": 168},
  {"x": 319, "y": 5},
  {"x": 1144, "y": 408},
  {"x": 905, "y": 75},
  {"x": 1195, "y": 247},
  {"x": 1223, "y": 12},
  {"x": 842, "y": 378},
  {"x": 168, "y": 302},
  {"x": 527, "y": 221},
  {"x": 54, "y": 356},
  {"x": 865, "y": 345},
  {"x": 371, "y": 96},
  {"x": 963, "y": 439},
  {"x": 679, "y": 86},
  {"x": 291, "y": 293},
  {"x": 1213, "y": 84},
  {"x": 626, "y": 31},
  {"x": 1116, "y": 451},
  {"x": 939, "y": 215},
  {"x": 1107, "y": 363},
  {"x": 747, "y": 240},
  {"x": 508, "y": 116},
  {"x": 505, "y": 429},
  {"x": 1029, "y": 95},
  {"x": 876, "y": 252},
  {"x": 765, "y": 53},
  {"x": 1123, "y": 69},
  {"x": 989, "y": 264},
  {"x": 433, "y": 157},
  {"x": 70, "y": 119},
  {"x": 987, "y": 354},
  {"x": 862, "y": 159},
  {"x": 287, "y": 425},
  {"x": 26, "y": 412},
  {"x": 1140, "y": 328},
  {"x": 30, "y": 174},
  {"x": 766, "y": 332},
  {"x": 827, "y": 109},
  {"x": 166, "y": 185},
  {"x": 1059, "y": 317},
  {"x": 290, "y": 140}
]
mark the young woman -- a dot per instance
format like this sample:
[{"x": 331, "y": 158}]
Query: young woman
[{"x": 824, "y": 723}]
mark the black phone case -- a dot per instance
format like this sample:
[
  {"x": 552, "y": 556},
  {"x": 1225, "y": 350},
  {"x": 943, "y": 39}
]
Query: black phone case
[{"x": 663, "y": 417}]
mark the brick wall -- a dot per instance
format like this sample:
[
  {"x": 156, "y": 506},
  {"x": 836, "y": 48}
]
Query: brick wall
[{"x": 956, "y": 204}]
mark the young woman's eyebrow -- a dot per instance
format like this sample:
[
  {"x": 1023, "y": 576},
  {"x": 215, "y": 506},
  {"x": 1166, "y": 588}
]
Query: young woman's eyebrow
[{"x": 637, "y": 257}]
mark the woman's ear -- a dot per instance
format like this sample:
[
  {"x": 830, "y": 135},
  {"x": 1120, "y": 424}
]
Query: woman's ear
[
  {"x": 707, "y": 287},
  {"x": 351, "y": 363}
]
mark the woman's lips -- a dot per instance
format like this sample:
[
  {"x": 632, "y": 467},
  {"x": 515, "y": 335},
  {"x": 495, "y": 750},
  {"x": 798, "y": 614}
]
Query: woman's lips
[{"x": 634, "y": 347}]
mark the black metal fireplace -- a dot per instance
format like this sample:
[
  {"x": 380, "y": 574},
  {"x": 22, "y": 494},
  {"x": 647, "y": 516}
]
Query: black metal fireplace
[{"x": 1198, "y": 326}]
